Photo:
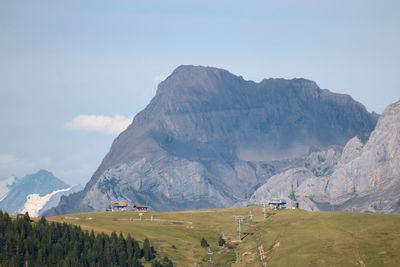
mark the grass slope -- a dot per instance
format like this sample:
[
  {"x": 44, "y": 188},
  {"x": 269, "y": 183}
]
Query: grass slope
[{"x": 285, "y": 238}]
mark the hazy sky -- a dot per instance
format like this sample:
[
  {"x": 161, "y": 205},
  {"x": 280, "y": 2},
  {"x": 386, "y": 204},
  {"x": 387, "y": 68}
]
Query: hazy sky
[{"x": 74, "y": 73}]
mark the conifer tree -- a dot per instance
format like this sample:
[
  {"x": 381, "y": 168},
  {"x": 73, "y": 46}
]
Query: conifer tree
[
  {"x": 156, "y": 263},
  {"x": 204, "y": 243},
  {"x": 167, "y": 262},
  {"x": 26, "y": 217},
  {"x": 27, "y": 243},
  {"x": 221, "y": 241},
  {"x": 148, "y": 251}
]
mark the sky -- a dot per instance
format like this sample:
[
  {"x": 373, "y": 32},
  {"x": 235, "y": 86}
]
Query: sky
[{"x": 73, "y": 74}]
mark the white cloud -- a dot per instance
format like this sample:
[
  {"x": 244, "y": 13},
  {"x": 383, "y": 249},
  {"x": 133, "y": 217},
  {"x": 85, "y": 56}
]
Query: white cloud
[{"x": 99, "y": 123}]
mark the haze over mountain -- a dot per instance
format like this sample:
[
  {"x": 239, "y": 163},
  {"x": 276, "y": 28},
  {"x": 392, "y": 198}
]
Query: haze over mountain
[
  {"x": 34, "y": 193},
  {"x": 210, "y": 139}
]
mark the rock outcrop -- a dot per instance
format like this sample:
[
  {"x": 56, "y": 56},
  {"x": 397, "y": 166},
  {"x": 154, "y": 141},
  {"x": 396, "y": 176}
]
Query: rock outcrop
[
  {"x": 368, "y": 178},
  {"x": 285, "y": 185},
  {"x": 210, "y": 139},
  {"x": 365, "y": 179}
]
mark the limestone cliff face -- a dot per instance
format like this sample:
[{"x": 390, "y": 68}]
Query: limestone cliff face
[
  {"x": 368, "y": 178},
  {"x": 286, "y": 184},
  {"x": 210, "y": 139},
  {"x": 365, "y": 177}
]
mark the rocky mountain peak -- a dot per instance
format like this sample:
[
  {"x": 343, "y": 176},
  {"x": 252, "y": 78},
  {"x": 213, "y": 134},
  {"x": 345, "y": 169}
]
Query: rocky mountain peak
[
  {"x": 209, "y": 138},
  {"x": 39, "y": 184}
]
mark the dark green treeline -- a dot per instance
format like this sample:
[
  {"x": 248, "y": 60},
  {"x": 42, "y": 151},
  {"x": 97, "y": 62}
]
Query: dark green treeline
[{"x": 27, "y": 243}]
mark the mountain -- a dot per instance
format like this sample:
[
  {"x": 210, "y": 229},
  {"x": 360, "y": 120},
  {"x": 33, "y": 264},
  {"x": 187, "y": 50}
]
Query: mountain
[
  {"x": 33, "y": 192},
  {"x": 210, "y": 138},
  {"x": 286, "y": 184},
  {"x": 365, "y": 178},
  {"x": 55, "y": 198},
  {"x": 5, "y": 186},
  {"x": 368, "y": 178}
]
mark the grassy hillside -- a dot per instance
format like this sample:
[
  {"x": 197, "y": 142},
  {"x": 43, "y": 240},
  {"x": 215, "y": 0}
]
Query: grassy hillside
[{"x": 285, "y": 238}]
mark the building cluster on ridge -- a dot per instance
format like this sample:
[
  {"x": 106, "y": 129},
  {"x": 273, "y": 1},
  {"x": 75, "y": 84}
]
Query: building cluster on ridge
[{"x": 122, "y": 206}]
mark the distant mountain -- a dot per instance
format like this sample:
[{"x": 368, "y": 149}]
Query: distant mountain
[
  {"x": 32, "y": 193},
  {"x": 55, "y": 198},
  {"x": 210, "y": 139},
  {"x": 364, "y": 178},
  {"x": 5, "y": 186}
]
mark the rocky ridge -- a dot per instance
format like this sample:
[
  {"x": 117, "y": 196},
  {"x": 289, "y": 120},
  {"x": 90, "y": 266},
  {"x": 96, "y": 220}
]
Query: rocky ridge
[
  {"x": 209, "y": 139},
  {"x": 33, "y": 193},
  {"x": 365, "y": 179}
]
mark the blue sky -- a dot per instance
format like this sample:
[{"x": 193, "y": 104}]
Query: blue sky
[{"x": 67, "y": 65}]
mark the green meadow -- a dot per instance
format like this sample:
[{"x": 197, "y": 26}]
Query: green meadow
[{"x": 284, "y": 238}]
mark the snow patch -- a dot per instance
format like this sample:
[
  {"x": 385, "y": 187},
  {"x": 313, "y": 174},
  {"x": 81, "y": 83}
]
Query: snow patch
[
  {"x": 5, "y": 186},
  {"x": 34, "y": 202}
]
